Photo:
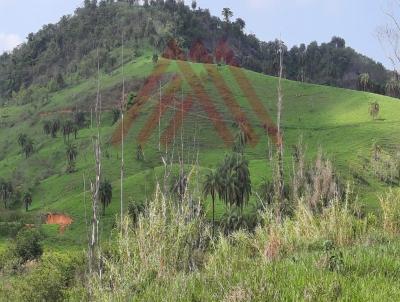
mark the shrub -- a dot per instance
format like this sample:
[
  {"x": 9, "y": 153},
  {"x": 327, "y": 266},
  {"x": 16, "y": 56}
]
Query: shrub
[
  {"x": 167, "y": 239},
  {"x": 27, "y": 245},
  {"x": 390, "y": 205},
  {"x": 10, "y": 229},
  {"x": 50, "y": 279}
]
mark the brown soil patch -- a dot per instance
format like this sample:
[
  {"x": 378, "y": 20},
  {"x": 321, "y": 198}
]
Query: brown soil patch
[{"x": 60, "y": 219}]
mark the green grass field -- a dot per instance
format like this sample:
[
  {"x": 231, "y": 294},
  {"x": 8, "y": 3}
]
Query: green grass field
[{"x": 336, "y": 120}]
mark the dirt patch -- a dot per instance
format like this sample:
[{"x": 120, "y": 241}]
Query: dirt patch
[{"x": 63, "y": 221}]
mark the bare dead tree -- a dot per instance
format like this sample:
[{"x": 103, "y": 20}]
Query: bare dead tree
[
  {"x": 389, "y": 34},
  {"x": 159, "y": 120},
  {"x": 95, "y": 185},
  {"x": 279, "y": 171},
  {"x": 123, "y": 108}
]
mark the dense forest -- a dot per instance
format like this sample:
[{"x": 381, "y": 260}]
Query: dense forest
[{"x": 64, "y": 53}]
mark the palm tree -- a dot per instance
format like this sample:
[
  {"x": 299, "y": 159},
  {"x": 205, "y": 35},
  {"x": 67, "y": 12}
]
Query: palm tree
[
  {"x": 240, "y": 23},
  {"x": 364, "y": 80},
  {"x": 27, "y": 200},
  {"x": 55, "y": 126},
  {"x": 47, "y": 127},
  {"x": 227, "y": 14},
  {"x": 241, "y": 140},
  {"x": 28, "y": 147},
  {"x": 393, "y": 88},
  {"x": 79, "y": 119},
  {"x": 68, "y": 128},
  {"x": 374, "y": 109},
  {"x": 139, "y": 153},
  {"x": 71, "y": 154},
  {"x": 6, "y": 190},
  {"x": 235, "y": 185},
  {"x": 22, "y": 138},
  {"x": 105, "y": 192},
  {"x": 211, "y": 187}
]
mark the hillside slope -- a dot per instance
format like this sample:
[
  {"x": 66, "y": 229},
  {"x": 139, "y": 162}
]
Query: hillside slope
[
  {"x": 201, "y": 103},
  {"x": 60, "y": 54}
]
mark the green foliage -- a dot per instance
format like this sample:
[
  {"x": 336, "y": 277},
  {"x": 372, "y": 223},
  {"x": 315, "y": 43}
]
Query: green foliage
[
  {"x": 27, "y": 244},
  {"x": 116, "y": 114},
  {"x": 27, "y": 199},
  {"x": 374, "y": 109},
  {"x": 10, "y": 229},
  {"x": 71, "y": 154},
  {"x": 390, "y": 204},
  {"x": 49, "y": 280},
  {"x": 166, "y": 239},
  {"x": 105, "y": 193},
  {"x": 329, "y": 63},
  {"x": 139, "y": 153},
  {"x": 234, "y": 183}
]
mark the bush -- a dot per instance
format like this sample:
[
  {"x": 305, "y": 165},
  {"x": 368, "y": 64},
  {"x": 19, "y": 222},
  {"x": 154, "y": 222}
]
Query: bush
[
  {"x": 10, "y": 229},
  {"x": 167, "y": 239},
  {"x": 50, "y": 280},
  {"x": 390, "y": 204},
  {"x": 27, "y": 245}
]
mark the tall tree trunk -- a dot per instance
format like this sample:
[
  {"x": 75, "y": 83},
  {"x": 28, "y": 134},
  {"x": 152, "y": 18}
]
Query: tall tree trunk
[
  {"x": 280, "y": 176},
  {"x": 213, "y": 217}
]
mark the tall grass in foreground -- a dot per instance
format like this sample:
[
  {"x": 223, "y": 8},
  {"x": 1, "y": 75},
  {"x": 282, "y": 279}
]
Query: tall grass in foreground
[
  {"x": 168, "y": 255},
  {"x": 167, "y": 238}
]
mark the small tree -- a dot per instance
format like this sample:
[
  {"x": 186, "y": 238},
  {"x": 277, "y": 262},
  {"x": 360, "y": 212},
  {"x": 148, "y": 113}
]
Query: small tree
[
  {"x": 80, "y": 119},
  {"x": 139, "y": 153},
  {"x": 71, "y": 154},
  {"x": 211, "y": 187},
  {"x": 22, "y": 139},
  {"x": 116, "y": 113},
  {"x": 68, "y": 128},
  {"x": 105, "y": 192},
  {"x": 55, "y": 127},
  {"x": 240, "y": 23},
  {"x": 27, "y": 245},
  {"x": 28, "y": 147},
  {"x": 155, "y": 59},
  {"x": 364, "y": 81},
  {"x": 241, "y": 140},
  {"x": 194, "y": 4},
  {"x": 47, "y": 127},
  {"x": 227, "y": 14},
  {"x": 6, "y": 191},
  {"x": 27, "y": 199},
  {"x": 374, "y": 110}
]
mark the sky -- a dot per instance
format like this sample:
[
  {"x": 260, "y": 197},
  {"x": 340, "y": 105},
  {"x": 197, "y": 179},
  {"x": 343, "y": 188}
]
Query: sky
[{"x": 294, "y": 21}]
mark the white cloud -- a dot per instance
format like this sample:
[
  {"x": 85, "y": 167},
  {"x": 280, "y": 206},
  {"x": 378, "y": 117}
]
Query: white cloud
[{"x": 9, "y": 42}]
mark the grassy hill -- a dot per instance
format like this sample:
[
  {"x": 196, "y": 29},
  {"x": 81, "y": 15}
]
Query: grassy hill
[{"x": 337, "y": 120}]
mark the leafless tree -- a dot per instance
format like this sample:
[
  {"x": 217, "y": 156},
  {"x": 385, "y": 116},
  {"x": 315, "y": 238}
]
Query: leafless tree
[
  {"x": 95, "y": 185},
  {"x": 279, "y": 183},
  {"x": 123, "y": 108},
  {"x": 389, "y": 34}
]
